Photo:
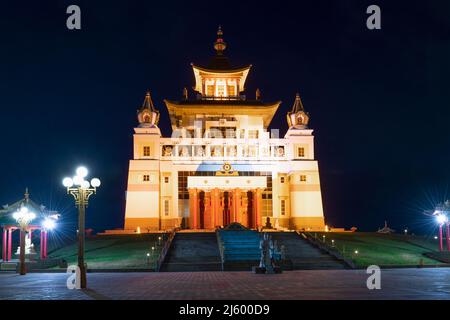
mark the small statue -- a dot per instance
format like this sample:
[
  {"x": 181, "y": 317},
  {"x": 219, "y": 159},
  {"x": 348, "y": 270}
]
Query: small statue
[
  {"x": 200, "y": 152},
  {"x": 280, "y": 151},
  {"x": 268, "y": 224},
  {"x": 217, "y": 151},
  {"x": 184, "y": 152},
  {"x": 167, "y": 151},
  {"x": 29, "y": 246}
]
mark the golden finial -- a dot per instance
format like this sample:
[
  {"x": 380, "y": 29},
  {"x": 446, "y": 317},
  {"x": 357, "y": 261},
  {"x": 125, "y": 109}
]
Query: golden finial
[
  {"x": 185, "y": 93},
  {"x": 220, "y": 45},
  {"x": 298, "y": 105}
]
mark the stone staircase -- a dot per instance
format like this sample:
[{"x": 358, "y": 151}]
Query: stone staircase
[
  {"x": 240, "y": 249},
  {"x": 193, "y": 251},
  {"x": 303, "y": 255}
]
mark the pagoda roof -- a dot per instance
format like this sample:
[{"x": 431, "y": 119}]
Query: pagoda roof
[
  {"x": 7, "y": 210},
  {"x": 220, "y": 64},
  {"x": 222, "y": 107}
]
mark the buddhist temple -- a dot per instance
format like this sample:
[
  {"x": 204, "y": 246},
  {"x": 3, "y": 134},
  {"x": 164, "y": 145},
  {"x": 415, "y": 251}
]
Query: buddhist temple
[{"x": 221, "y": 163}]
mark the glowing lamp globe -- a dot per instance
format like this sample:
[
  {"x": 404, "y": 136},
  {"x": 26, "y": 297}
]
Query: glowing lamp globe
[
  {"x": 82, "y": 172},
  {"x": 67, "y": 182},
  {"x": 85, "y": 184},
  {"x": 441, "y": 218},
  {"x": 95, "y": 182},
  {"x": 77, "y": 180},
  {"x": 16, "y": 215},
  {"x": 49, "y": 224}
]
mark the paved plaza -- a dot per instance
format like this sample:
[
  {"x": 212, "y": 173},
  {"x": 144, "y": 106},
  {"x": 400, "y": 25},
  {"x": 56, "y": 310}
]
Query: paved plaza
[{"x": 308, "y": 284}]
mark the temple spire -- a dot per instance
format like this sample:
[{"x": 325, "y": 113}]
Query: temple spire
[
  {"x": 220, "y": 45},
  {"x": 26, "y": 195},
  {"x": 298, "y": 118},
  {"x": 148, "y": 103},
  {"x": 148, "y": 116},
  {"x": 298, "y": 105}
]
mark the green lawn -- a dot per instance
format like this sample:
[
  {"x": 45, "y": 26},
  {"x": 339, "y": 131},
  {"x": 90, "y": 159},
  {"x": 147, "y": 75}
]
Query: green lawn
[
  {"x": 382, "y": 249},
  {"x": 114, "y": 252}
]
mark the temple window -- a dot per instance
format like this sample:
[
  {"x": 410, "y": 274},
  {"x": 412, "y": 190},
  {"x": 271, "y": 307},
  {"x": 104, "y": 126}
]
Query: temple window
[
  {"x": 210, "y": 91},
  {"x": 253, "y": 134},
  {"x": 146, "y": 178},
  {"x": 220, "y": 88},
  {"x": 146, "y": 151},
  {"x": 302, "y": 178},
  {"x": 221, "y": 91},
  {"x": 166, "y": 179},
  {"x": 300, "y": 152},
  {"x": 166, "y": 207},
  {"x": 283, "y": 207},
  {"x": 282, "y": 179},
  {"x": 231, "y": 90}
]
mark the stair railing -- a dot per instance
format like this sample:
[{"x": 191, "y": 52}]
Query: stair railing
[
  {"x": 328, "y": 249},
  {"x": 221, "y": 248},
  {"x": 165, "y": 250}
]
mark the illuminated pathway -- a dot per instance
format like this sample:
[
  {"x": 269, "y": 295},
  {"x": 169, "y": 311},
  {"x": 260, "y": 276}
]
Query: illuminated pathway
[{"x": 329, "y": 284}]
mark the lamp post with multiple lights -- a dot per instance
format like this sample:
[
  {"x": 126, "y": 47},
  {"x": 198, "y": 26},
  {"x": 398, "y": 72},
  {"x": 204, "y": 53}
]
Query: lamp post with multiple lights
[
  {"x": 23, "y": 218},
  {"x": 81, "y": 190}
]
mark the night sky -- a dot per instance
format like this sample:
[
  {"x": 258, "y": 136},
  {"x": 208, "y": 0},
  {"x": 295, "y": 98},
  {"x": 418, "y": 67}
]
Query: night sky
[{"x": 379, "y": 100}]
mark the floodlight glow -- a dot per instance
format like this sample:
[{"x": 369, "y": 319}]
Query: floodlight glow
[
  {"x": 95, "y": 182},
  {"x": 67, "y": 182},
  {"x": 82, "y": 172},
  {"x": 441, "y": 218},
  {"x": 49, "y": 224}
]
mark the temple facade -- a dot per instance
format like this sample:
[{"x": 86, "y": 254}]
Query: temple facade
[{"x": 222, "y": 164}]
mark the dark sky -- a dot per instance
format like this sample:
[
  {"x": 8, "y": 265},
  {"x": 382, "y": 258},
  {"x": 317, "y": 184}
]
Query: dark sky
[{"x": 379, "y": 100}]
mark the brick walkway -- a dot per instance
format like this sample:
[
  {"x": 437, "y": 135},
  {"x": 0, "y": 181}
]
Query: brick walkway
[{"x": 314, "y": 284}]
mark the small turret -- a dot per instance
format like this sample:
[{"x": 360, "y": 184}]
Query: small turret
[
  {"x": 298, "y": 118},
  {"x": 148, "y": 116}
]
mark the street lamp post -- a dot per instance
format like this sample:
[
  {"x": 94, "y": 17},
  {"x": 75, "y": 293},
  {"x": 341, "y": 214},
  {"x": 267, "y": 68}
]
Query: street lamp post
[
  {"x": 81, "y": 190},
  {"x": 442, "y": 219},
  {"x": 23, "y": 217}
]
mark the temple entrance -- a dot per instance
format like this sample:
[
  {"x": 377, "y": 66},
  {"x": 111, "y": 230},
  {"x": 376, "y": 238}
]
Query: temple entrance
[{"x": 221, "y": 200}]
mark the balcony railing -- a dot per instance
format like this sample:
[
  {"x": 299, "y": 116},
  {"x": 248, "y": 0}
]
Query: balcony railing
[
  {"x": 223, "y": 149},
  {"x": 221, "y": 98}
]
